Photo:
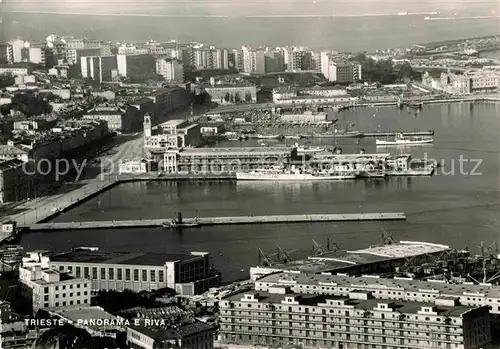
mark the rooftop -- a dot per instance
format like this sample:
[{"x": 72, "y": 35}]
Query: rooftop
[
  {"x": 85, "y": 315},
  {"x": 374, "y": 282},
  {"x": 172, "y": 123},
  {"x": 9, "y": 164},
  {"x": 402, "y": 307},
  {"x": 126, "y": 258},
  {"x": 236, "y": 151},
  {"x": 179, "y": 332},
  {"x": 333, "y": 261}
]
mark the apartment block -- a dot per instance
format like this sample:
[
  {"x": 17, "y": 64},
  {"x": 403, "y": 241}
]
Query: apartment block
[
  {"x": 281, "y": 317},
  {"x": 99, "y": 68},
  {"x": 172, "y": 70},
  {"x": 46, "y": 288}
]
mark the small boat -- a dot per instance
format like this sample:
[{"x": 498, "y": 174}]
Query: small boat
[
  {"x": 260, "y": 136},
  {"x": 174, "y": 224},
  {"x": 308, "y": 150},
  {"x": 400, "y": 139},
  {"x": 293, "y": 137},
  {"x": 292, "y": 175}
]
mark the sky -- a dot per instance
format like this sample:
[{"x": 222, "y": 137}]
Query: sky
[{"x": 235, "y": 8}]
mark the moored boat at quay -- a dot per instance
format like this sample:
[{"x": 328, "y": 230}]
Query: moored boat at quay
[
  {"x": 401, "y": 140},
  {"x": 294, "y": 174}
]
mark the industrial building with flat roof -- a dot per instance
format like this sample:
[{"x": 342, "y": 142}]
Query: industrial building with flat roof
[
  {"x": 279, "y": 316},
  {"x": 187, "y": 274},
  {"x": 374, "y": 259}
]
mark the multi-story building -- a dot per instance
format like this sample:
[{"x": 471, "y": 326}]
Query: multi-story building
[
  {"x": 311, "y": 61},
  {"x": 36, "y": 54},
  {"x": 102, "y": 68},
  {"x": 253, "y": 61},
  {"x": 15, "y": 183},
  {"x": 188, "y": 274},
  {"x": 311, "y": 95},
  {"x": 172, "y": 70},
  {"x": 293, "y": 58},
  {"x": 220, "y": 160},
  {"x": 6, "y": 54},
  {"x": 195, "y": 335},
  {"x": 46, "y": 288},
  {"x": 174, "y": 134},
  {"x": 135, "y": 67},
  {"x": 124, "y": 119},
  {"x": 17, "y": 48},
  {"x": 16, "y": 71},
  {"x": 74, "y": 56},
  {"x": 402, "y": 289},
  {"x": 281, "y": 317},
  {"x": 274, "y": 61},
  {"x": 338, "y": 70},
  {"x": 467, "y": 83},
  {"x": 231, "y": 93}
]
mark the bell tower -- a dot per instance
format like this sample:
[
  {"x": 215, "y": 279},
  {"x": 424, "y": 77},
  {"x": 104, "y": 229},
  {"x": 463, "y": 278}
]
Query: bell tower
[{"x": 147, "y": 126}]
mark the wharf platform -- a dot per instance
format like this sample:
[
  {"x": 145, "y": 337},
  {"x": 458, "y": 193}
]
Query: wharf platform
[
  {"x": 42, "y": 210},
  {"x": 206, "y": 221}
]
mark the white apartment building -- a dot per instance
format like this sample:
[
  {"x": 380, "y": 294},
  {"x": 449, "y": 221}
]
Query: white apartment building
[
  {"x": 280, "y": 317},
  {"x": 46, "y": 288},
  {"x": 172, "y": 70},
  {"x": 36, "y": 54},
  {"x": 339, "y": 71}
]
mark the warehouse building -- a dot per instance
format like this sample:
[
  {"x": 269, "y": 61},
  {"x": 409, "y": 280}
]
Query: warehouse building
[{"x": 187, "y": 274}]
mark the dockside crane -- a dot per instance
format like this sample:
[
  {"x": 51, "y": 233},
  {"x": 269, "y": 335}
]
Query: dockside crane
[
  {"x": 319, "y": 250},
  {"x": 264, "y": 260},
  {"x": 387, "y": 237}
]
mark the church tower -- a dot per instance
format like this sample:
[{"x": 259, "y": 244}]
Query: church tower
[{"x": 147, "y": 126}]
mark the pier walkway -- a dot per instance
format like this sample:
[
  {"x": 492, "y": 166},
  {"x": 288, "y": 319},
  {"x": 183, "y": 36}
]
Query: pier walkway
[{"x": 204, "y": 221}]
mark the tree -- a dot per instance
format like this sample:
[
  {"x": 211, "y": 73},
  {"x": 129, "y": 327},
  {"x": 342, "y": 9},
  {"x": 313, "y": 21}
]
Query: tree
[
  {"x": 237, "y": 97},
  {"x": 232, "y": 98},
  {"x": 227, "y": 97},
  {"x": 6, "y": 80},
  {"x": 5, "y": 109},
  {"x": 248, "y": 97}
]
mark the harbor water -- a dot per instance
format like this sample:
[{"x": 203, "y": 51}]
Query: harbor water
[{"x": 458, "y": 209}]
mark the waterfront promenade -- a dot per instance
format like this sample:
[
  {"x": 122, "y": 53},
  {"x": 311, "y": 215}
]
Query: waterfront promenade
[{"x": 204, "y": 221}]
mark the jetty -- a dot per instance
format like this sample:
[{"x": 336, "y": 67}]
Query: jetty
[{"x": 211, "y": 221}]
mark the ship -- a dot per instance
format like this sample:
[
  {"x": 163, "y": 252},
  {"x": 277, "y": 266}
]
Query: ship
[
  {"x": 302, "y": 150},
  {"x": 293, "y": 174},
  {"x": 400, "y": 139},
  {"x": 260, "y": 136}
]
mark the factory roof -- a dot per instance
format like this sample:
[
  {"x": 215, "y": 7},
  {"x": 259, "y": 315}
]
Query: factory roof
[
  {"x": 331, "y": 261},
  {"x": 126, "y": 258},
  {"x": 375, "y": 282},
  {"x": 402, "y": 307},
  {"x": 178, "y": 332}
]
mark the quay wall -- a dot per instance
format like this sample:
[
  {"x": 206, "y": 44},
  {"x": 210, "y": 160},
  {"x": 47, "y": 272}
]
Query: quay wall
[{"x": 204, "y": 221}]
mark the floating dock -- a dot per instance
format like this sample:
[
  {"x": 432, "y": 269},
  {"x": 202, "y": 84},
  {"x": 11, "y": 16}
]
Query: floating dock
[{"x": 206, "y": 221}]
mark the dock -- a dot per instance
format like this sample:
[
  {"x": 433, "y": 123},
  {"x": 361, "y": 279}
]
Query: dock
[{"x": 212, "y": 221}]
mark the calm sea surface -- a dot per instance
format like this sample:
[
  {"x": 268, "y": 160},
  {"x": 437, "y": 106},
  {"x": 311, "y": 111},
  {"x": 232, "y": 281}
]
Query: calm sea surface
[
  {"x": 459, "y": 210},
  {"x": 342, "y": 33}
]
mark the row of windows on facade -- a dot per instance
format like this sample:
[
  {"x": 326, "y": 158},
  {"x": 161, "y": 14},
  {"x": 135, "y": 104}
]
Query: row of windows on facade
[
  {"x": 63, "y": 295},
  {"x": 261, "y": 340},
  {"x": 346, "y": 333},
  {"x": 119, "y": 274},
  {"x": 63, "y": 303},
  {"x": 347, "y": 313},
  {"x": 368, "y": 324},
  {"x": 65, "y": 287}
]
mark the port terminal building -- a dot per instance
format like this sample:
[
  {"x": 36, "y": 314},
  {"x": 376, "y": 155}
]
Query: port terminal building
[
  {"x": 372, "y": 260},
  {"x": 221, "y": 160},
  {"x": 187, "y": 274}
]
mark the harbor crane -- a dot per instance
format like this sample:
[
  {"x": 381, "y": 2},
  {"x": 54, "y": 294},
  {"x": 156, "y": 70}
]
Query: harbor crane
[
  {"x": 283, "y": 257},
  {"x": 387, "y": 237},
  {"x": 319, "y": 250}
]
